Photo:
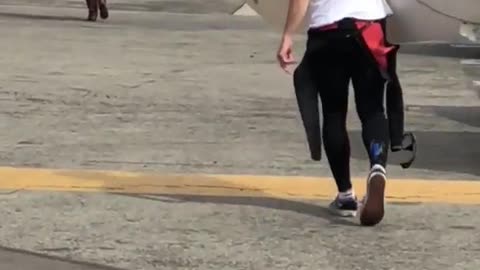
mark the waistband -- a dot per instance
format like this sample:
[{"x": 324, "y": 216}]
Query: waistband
[{"x": 345, "y": 24}]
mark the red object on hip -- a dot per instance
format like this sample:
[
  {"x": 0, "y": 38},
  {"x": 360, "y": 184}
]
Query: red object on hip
[{"x": 374, "y": 38}]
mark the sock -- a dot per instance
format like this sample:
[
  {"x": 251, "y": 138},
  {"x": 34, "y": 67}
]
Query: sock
[
  {"x": 378, "y": 168},
  {"x": 346, "y": 195}
]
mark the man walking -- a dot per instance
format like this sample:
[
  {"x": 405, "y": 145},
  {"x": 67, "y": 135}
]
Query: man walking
[{"x": 345, "y": 43}]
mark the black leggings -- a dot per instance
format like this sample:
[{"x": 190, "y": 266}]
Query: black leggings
[{"x": 335, "y": 60}]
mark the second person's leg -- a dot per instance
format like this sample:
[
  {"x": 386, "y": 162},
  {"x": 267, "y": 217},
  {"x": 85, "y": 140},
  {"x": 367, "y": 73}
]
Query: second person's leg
[
  {"x": 92, "y": 10},
  {"x": 102, "y": 6}
]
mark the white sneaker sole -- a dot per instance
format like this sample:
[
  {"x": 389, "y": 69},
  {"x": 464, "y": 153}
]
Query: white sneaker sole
[
  {"x": 373, "y": 207},
  {"x": 343, "y": 213}
]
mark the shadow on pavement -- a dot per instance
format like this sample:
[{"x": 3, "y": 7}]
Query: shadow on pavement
[
  {"x": 310, "y": 209},
  {"x": 467, "y": 115},
  {"x": 441, "y": 50},
  {"x": 16, "y": 259},
  {"x": 457, "y": 152},
  {"x": 42, "y": 17},
  {"x": 452, "y": 151}
]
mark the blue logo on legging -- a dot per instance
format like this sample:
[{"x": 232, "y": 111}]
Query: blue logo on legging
[{"x": 376, "y": 150}]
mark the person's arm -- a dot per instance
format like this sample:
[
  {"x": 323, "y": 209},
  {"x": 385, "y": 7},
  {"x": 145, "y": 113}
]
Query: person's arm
[{"x": 296, "y": 12}]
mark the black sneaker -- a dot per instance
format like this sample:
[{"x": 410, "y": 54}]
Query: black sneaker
[
  {"x": 373, "y": 204},
  {"x": 345, "y": 207},
  {"x": 102, "y": 6}
]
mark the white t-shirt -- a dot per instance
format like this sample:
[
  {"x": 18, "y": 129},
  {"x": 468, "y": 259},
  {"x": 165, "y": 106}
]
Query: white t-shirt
[{"x": 325, "y": 12}]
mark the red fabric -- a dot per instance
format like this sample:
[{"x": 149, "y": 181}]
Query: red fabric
[{"x": 374, "y": 38}]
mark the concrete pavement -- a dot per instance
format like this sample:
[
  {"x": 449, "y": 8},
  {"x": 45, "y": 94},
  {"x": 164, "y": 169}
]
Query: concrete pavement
[
  {"x": 177, "y": 6},
  {"x": 100, "y": 96},
  {"x": 159, "y": 94},
  {"x": 24, "y": 260}
]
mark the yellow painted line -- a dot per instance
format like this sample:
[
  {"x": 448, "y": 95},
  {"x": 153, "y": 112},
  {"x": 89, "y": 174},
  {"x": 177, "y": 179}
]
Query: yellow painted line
[{"x": 289, "y": 187}]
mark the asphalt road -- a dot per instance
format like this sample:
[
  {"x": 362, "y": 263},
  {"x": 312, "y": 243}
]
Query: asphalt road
[{"x": 148, "y": 91}]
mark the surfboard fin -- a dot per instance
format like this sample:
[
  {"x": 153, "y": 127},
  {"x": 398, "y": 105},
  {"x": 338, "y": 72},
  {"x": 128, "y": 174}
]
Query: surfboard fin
[{"x": 409, "y": 144}]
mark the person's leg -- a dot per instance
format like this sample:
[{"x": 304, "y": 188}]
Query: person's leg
[
  {"x": 334, "y": 97},
  {"x": 369, "y": 96},
  {"x": 102, "y": 6},
  {"x": 92, "y": 10},
  {"x": 369, "y": 86},
  {"x": 332, "y": 78}
]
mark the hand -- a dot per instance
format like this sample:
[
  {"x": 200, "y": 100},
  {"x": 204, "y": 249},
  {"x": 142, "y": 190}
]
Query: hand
[{"x": 285, "y": 54}]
